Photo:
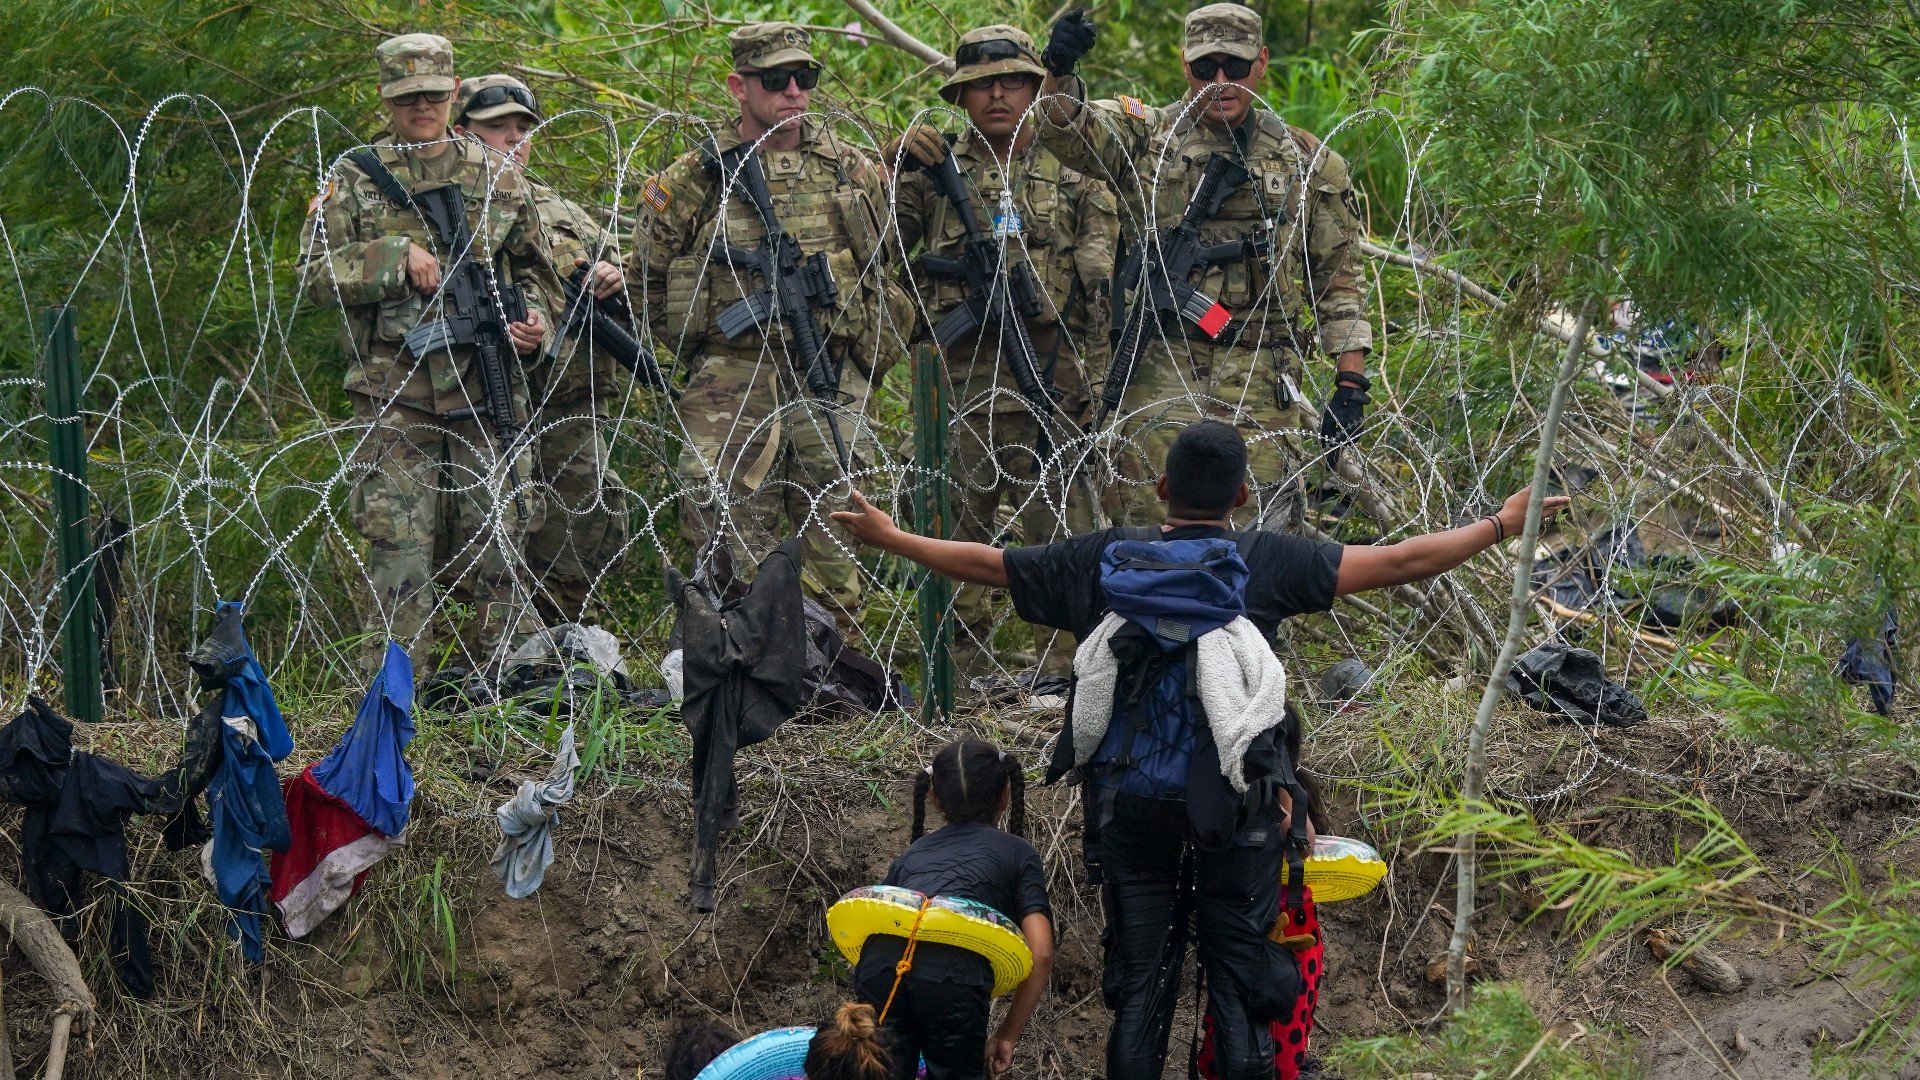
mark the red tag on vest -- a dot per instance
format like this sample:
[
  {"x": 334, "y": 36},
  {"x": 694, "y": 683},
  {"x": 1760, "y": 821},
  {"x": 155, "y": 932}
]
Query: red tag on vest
[{"x": 1215, "y": 320}]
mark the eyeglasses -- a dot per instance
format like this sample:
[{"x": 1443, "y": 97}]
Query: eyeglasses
[
  {"x": 499, "y": 95},
  {"x": 433, "y": 97},
  {"x": 774, "y": 80},
  {"x": 981, "y": 52},
  {"x": 1207, "y": 67},
  {"x": 1011, "y": 81}
]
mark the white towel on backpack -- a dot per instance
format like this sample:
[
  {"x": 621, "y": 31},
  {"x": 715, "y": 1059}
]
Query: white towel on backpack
[{"x": 1241, "y": 684}]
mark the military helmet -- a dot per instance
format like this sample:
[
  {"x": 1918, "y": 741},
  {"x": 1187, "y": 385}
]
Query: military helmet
[
  {"x": 990, "y": 50},
  {"x": 493, "y": 95}
]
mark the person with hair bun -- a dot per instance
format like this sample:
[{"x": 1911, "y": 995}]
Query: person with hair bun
[
  {"x": 848, "y": 1047},
  {"x": 937, "y": 1010}
]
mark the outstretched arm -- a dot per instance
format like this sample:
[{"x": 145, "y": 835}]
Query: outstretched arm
[
  {"x": 1416, "y": 558},
  {"x": 975, "y": 564}
]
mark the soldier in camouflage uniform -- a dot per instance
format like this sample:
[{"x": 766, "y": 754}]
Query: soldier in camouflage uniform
[
  {"x": 585, "y": 529},
  {"x": 1299, "y": 198},
  {"x": 757, "y": 445},
  {"x": 1064, "y": 225},
  {"x": 433, "y": 497}
]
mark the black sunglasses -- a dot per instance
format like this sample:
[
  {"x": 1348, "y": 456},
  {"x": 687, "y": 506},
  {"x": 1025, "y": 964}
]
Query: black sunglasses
[
  {"x": 981, "y": 52},
  {"x": 774, "y": 80},
  {"x": 1011, "y": 81},
  {"x": 434, "y": 97},
  {"x": 500, "y": 95},
  {"x": 1207, "y": 67}
]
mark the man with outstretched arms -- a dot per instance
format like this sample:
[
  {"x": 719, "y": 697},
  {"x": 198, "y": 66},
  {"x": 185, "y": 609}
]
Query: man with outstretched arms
[
  {"x": 1270, "y": 223},
  {"x": 572, "y": 389},
  {"x": 772, "y": 411},
  {"x": 1046, "y": 234},
  {"x": 441, "y": 492}
]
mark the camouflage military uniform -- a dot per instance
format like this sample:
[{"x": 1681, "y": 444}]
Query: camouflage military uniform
[
  {"x": 585, "y": 530},
  {"x": 1065, "y": 225},
  {"x": 1300, "y": 191},
  {"x": 757, "y": 446},
  {"x": 432, "y": 497}
]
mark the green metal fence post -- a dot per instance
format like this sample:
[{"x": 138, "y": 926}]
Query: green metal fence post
[
  {"x": 67, "y": 453},
  {"x": 932, "y": 516}
]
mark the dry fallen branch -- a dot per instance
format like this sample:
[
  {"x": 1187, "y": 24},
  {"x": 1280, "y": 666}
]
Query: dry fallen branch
[{"x": 47, "y": 951}]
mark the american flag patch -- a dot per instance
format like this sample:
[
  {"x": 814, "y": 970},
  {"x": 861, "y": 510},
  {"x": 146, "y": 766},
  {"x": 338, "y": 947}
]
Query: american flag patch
[
  {"x": 656, "y": 194},
  {"x": 1134, "y": 107}
]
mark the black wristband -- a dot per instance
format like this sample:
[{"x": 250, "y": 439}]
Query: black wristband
[
  {"x": 1499, "y": 530},
  {"x": 1355, "y": 379}
]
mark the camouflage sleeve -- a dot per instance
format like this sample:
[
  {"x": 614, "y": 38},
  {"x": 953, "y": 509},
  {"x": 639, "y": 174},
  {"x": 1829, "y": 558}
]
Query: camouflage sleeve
[
  {"x": 335, "y": 265},
  {"x": 1338, "y": 292},
  {"x": 668, "y": 223},
  {"x": 1097, "y": 238},
  {"x": 913, "y": 197},
  {"x": 1104, "y": 140},
  {"x": 576, "y": 234}
]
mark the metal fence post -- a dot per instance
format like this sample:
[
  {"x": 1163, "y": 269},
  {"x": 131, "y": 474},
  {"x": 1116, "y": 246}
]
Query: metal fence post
[
  {"x": 67, "y": 453},
  {"x": 932, "y": 516}
]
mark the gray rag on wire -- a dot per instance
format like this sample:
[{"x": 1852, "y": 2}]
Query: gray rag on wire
[{"x": 527, "y": 821}]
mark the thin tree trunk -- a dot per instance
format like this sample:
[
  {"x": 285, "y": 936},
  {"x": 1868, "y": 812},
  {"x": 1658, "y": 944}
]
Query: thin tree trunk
[
  {"x": 1518, "y": 609},
  {"x": 6, "y": 1040}
]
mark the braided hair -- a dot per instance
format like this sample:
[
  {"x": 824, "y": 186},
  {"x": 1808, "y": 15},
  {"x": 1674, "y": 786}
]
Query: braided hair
[
  {"x": 968, "y": 777},
  {"x": 848, "y": 1048}
]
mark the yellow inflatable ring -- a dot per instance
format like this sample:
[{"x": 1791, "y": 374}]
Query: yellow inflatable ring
[
  {"x": 948, "y": 920},
  {"x": 1341, "y": 869}
]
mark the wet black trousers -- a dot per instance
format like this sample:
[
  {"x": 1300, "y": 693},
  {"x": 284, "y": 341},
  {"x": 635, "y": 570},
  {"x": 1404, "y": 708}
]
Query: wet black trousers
[
  {"x": 1158, "y": 890},
  {"x": 942, "y": 1022}
]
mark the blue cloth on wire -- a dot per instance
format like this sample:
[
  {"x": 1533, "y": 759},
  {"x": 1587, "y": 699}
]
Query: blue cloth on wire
[
  {"x": 368, "y": 769},
  {"x": 249, "y": 813}
]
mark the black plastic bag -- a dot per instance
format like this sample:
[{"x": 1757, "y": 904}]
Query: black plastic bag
[{"x": 1562, "y": 679}]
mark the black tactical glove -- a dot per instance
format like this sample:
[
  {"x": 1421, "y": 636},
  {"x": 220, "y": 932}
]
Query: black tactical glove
[
  {"x": 1071, "y": 38},
  {"x": 1340, "y": 420}
]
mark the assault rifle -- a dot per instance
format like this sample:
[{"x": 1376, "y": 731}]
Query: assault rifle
[
  {"x": 1006, "y": 298},
  {"x": 1159, "y": 271},
  {"x": 583, "y": 310},
  {"x": 478, "y": 307},
  {"x": 796, "y": 286}
]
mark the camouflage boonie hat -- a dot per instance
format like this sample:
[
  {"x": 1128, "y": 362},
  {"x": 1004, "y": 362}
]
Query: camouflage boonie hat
[
  {"x": 509, "y": 96},
  {"x": 767, "y": 45},
  {"x": 413, "y": 62},
  {"x": 1223, "y": 30},
  {"x": 991, "y": 50}
]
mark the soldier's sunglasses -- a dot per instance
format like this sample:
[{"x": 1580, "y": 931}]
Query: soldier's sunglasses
[
  {"x": 1011, "y": 81},
  {"x": 500, "y": 95},
  {"x": 982, "y": 52},
  {"x": 774, "y": 80},
  {"x": 1207, "y": 67},
  {"x": 407, "y": 101}
]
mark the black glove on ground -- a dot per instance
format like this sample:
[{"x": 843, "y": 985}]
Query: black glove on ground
[
  {"x": 1340, "y": 420},
  {"x": 1071, "y": 38}
]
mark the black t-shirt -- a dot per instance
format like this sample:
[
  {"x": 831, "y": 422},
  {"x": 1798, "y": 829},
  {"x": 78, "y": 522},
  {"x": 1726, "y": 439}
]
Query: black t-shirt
[
  {"x": 1058, "y": 584},
  {"x": 972, "y": 862}
]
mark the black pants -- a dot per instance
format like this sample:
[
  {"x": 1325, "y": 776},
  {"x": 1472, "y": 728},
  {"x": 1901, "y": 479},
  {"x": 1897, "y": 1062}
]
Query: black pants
[
  {"x": 943, "y": 1022},
  {"x": 1158, "y": 885}
]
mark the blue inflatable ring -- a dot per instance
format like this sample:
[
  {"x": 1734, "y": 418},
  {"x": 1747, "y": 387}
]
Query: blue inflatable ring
[{"x": 780, "y": 1054}]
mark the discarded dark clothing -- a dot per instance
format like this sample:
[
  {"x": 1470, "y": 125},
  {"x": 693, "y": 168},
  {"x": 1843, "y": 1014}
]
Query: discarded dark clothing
[
  {"x": 1559, "y": 678},
  {"x": 842, "y": 680},
  {"x": 1603, "y": 574},
  {"x": 1871, "y": 662},
  {"x": 743, "y": 667},
  {"x": 78, "y": 805}
]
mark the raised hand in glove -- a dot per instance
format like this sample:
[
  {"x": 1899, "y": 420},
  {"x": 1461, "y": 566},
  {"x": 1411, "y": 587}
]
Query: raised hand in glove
[
  {"x": 919, "y": 147},
  {"x": 1340, "y": 420},
  {"x": 1071, "y": 38}
]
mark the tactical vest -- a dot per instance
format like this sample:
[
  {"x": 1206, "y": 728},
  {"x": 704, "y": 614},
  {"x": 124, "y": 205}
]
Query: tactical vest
[{"x": 1042, "y": 200}]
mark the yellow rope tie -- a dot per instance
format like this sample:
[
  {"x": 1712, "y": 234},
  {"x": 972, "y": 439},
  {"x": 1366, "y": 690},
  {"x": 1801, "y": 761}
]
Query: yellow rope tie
[{"x": 906, "y": 959}]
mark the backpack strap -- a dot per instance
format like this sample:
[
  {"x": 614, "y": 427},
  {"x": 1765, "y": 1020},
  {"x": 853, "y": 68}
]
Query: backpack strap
[{"x": 382, "y": 177}]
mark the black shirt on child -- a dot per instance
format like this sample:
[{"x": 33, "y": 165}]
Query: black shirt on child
[{"x": 969, "y": 861}]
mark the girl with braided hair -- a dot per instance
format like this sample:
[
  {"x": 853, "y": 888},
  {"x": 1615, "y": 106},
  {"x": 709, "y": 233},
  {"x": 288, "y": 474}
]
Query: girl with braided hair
[
  {"x": 937, "y": 1009},
  {"x": 848, "y": 1047}
]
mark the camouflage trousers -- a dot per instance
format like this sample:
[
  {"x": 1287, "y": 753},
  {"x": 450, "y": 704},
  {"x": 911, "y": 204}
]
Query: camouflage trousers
[
  {"x": 758, "y": 464},
  {"x": 441, "y": 523},
  {"x": 1251, "y": 388},
  {"x": 585, "y": 530}
]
